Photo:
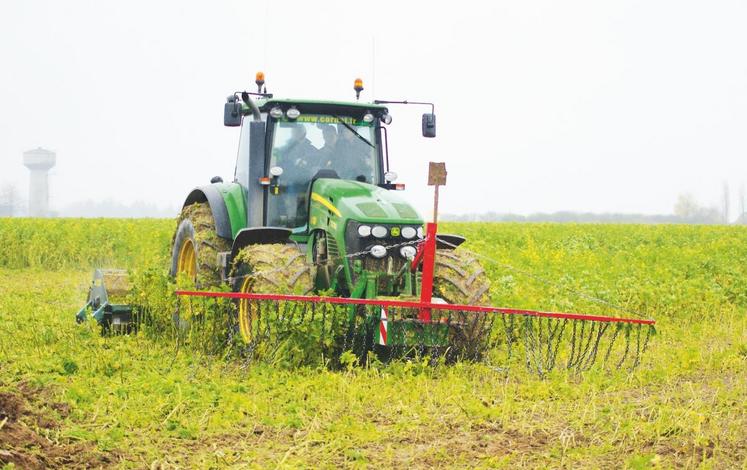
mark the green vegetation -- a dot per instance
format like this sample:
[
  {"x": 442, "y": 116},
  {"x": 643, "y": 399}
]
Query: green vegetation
[
  {"x": 80, "y": 244},
  {"x": 135, "y": 402}
]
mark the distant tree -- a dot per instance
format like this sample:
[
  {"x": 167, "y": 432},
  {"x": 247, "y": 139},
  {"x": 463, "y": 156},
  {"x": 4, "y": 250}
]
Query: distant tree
[
  {"x": 688, "y": 210},
  {"x": 725, "y": 203},
  {"x": 686, "y": 207}
]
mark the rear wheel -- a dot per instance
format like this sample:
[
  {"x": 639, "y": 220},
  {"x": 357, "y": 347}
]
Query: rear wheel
[
  {"x": 459, "y": 278},
  {"x": 267, "y": 269},
  {"x": 195, "y": 247}
]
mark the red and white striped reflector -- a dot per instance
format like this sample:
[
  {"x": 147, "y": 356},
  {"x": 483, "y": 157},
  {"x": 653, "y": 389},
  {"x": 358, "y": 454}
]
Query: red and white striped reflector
[{"x": 383, "y": 327}]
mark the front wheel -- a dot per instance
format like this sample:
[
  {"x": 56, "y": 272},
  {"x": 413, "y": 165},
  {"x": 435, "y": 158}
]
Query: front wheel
[
  {"x": 195, "y": 246},
  {"x": 267, "y": 269}
]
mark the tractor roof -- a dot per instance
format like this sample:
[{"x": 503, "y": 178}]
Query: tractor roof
[{"x": 322, "y": 107}]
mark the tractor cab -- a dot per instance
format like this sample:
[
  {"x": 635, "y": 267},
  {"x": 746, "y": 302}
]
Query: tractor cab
[
  {"x": 315, "y": 174},
  {"x": 301, "y": 141},
  {"x": 328, "y": 143}
]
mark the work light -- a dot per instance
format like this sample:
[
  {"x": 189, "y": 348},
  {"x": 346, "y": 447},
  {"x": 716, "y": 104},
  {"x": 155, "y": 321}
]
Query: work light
[
  {"x": 378, "y": 251},
  {"x": 408, "y": 251},
  {"x": 408, "y": 232},
  {"x": 379, "y": 231}
]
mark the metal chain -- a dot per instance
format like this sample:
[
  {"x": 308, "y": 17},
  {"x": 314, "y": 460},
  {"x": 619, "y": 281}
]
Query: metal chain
[
  {"x": 348, "y": 256},
  {"x": 508, "y": 328},
  {"x": 595, "y": 350},
  {"x": 627, "y": 346},
  {"x": 388, "y": 247},
  {"x": 612, "y": 342},
  {"x": 573, "y": 344},
  {"x": 553, "y": 354}
]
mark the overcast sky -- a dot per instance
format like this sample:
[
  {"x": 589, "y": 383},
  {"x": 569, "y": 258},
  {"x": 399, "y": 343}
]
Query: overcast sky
[{"x": 542, "y": 105}]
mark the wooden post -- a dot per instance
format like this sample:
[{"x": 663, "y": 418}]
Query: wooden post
[{"x": 436, "y": 177}]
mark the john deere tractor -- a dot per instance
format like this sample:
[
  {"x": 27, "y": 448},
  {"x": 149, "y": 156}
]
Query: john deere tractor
[{"x": 313, "y": 206}]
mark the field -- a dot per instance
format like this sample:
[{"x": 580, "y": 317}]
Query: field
[{"x": 71, "y": 398}]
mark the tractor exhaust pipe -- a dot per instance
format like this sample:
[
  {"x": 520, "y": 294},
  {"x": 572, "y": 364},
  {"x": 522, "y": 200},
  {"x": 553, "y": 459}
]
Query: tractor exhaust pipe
[{"x": 253, "y": 106}]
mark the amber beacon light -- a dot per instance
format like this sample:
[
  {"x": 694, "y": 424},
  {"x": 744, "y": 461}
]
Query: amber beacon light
[{"x": 358, "y": 87}]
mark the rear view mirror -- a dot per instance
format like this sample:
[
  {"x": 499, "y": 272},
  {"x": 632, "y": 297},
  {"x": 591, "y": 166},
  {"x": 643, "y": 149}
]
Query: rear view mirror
[
  {"x": 232, "y": 112},
  {"x": 429, "y": 125}
]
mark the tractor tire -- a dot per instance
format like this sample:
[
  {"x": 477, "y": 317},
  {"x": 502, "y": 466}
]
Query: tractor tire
[
  {"x": 459, "y": 278},
  {"x": 268, "y": 269},
  {"x": 195, "y": 246}
]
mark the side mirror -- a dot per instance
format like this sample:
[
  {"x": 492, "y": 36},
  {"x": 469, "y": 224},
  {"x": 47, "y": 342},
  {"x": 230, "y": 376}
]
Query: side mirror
[
  {"x": 429, "y": 125},
  {"x": 232, "y": 112}
]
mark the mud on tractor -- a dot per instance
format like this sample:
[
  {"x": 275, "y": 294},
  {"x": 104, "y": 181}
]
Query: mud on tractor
[{"x": 314, "y": 207}]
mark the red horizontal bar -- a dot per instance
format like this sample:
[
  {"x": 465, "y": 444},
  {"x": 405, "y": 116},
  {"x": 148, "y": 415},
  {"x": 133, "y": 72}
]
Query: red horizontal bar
[{"x": 414, "y": 305}]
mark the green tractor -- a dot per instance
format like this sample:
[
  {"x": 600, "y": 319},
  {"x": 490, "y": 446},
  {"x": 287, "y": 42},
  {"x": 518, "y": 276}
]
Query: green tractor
[{"x": 313, "y": 207}]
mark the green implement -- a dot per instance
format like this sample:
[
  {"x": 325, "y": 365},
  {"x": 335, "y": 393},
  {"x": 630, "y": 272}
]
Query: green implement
[{"x": 107, "y": 301}]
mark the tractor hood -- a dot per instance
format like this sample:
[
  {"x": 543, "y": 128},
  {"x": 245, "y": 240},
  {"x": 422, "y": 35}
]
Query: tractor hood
[{"x": 363, "y": 202}]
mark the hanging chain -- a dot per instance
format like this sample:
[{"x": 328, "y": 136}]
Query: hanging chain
[{"x": 265, "y": 273}]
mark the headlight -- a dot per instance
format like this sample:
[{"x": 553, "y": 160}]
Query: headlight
[
  {"x": 379, "y": 231},
  {"x": 368, "y": 117},
  {"x": 378, "y": 251},
  {"x": 408, "y": 252},
  {"x": 420, "y": 232},
  {"x": 276, "y": 112},
  {"x": 293, "y": 113},
  {"x": 408, "y": 232},
  {"x": 364, "y": 230}
]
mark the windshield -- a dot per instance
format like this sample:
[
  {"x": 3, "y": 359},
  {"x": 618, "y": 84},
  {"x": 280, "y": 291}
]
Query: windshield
[{"x": 317, "y": 142}]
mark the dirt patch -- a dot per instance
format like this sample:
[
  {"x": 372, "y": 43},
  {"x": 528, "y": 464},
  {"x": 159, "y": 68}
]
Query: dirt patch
[{"x": 28, "y": 437}]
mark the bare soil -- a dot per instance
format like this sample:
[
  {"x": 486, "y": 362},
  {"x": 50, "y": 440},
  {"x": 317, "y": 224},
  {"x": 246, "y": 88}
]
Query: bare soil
[{"x": 29, "y": 436}]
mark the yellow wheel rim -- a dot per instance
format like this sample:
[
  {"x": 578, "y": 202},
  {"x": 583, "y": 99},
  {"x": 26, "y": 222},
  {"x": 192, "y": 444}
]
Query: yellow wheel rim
[
  {"x": 248, "y": 314},
  {"x": 187, "y": 260}
]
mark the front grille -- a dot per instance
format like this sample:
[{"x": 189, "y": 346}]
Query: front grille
[
  {"x": 332, "y": 251},
  {"x": 389, "y": 264}
]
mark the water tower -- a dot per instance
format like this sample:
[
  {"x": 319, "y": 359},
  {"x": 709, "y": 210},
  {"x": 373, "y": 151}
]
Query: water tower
[{"x": 39, "y": 161}]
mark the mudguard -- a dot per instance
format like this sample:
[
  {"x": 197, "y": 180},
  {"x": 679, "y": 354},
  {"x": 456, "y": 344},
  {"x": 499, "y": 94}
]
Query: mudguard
[
  {"x": 259, "y": 235},
  {"x": 226, "y": 204},
  {"x": 213, "y": 197},
  {"x": 447, "y": 241}
]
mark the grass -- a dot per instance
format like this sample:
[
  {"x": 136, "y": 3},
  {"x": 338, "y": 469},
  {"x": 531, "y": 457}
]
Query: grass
[{"x": 145, "y": 403}]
